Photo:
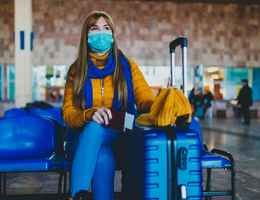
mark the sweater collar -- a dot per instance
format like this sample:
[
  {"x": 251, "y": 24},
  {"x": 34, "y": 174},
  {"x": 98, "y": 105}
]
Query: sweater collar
[{"x": 99, "y": 61}]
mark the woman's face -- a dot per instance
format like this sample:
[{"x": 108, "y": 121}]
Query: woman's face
[{"x": 101, "y": 25}]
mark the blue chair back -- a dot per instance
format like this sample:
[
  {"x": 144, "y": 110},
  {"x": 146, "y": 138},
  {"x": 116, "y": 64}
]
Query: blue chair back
[
  {"x": 14, "y": 112},
  {"x": 26, "y": 137},
  {"x": 195, "y": 126},
  {"x": 53, "y": 113},
  {"x": 62, "y": 121},
  {"x": 34, "y": 111}
]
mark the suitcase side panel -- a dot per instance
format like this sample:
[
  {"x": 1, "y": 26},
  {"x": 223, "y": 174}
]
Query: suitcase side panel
[
  {"x": 155, "y": 164},
  {"x": 147, "y": 168},
  {"x": 146, "y": 175},
  {"x": 191, "y": 177}
]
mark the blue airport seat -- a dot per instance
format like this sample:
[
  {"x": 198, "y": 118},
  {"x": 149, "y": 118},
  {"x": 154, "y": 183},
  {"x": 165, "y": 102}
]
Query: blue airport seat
[
  {"x": 215, "y": 159},
  {"x": 211, "y": 160},
  {"x": 14, "y": 112},
  {"x": 53, "y": 113},
  {"x": 34, "y": 111},
  {"x": 29, "y": 144},
  {"x": 62, "y": 121}
]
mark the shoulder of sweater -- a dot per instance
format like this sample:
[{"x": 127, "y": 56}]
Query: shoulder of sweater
[
  {"x": 135, "y": 70},
  {"x": 133, "y": 66},
  {"x": 71, "y": 73},
  {"x": 131, "y": 61}
]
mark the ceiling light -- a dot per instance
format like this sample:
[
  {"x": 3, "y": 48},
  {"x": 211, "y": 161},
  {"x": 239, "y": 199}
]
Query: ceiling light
[
  {"x": 212, "y": 69},
  {"x": 215, "y": 76}
]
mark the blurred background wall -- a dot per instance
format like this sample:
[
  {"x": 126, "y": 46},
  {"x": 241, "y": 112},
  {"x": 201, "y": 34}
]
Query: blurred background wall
[{"x": 218, "y": 34}]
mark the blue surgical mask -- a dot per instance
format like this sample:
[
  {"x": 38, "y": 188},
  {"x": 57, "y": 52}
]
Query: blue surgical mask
[{"x": 100, "y": 41}]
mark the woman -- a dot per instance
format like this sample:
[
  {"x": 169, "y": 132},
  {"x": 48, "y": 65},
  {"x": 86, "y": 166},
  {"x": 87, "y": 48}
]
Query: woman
[{"x": 100, "y": 78}]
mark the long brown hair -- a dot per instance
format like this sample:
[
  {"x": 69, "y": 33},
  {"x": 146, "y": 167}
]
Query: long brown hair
[{"x": 81, "y": 64}]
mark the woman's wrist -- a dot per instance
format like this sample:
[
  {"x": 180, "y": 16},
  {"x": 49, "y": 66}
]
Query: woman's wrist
[{"x": 89, "y": 114}]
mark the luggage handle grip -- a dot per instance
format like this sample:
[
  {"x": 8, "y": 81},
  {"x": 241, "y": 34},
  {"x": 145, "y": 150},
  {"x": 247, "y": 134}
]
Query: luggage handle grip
[
  {"x": 183, "y": 41},
  {"x": 179, "y": 41}
]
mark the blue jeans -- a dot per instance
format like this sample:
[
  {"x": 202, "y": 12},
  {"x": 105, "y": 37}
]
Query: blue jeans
[{"x": 94, "y": 160}]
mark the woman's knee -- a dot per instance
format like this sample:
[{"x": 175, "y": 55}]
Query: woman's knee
[{"x": 92, "y": 129}]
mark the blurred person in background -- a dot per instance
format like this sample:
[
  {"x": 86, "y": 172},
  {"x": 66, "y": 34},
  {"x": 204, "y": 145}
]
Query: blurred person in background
[
  {"x": 207, "y": 99},
  {"x": 245, "y": 100},
  {"x": 196, "y": 101}
]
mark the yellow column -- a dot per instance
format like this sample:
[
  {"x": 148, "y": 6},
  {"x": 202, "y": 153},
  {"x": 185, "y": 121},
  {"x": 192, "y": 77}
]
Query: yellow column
[{"x": 23, "y": 58}]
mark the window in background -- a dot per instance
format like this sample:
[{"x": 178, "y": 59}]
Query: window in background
[
  {"x": 157, "y": 77},
  {"x": 233, "y": 77},
  {"x": 213, "y": 78},
  {"x": 225, "y": 82},
  {"x": 34, "y": 83},
  {"x": 49, "y": 82},
  {"x": 10, "y": 82},
  {"x": 256, "y": 83},
  {"x": 190, "y": 77}
]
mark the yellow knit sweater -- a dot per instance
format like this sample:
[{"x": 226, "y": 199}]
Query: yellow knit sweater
[{"x": 143, "y": 95}]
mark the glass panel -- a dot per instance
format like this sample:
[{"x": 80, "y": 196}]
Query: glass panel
[
  {"x": 0, "y": 91},
  {"x": 235, "y": 75},
  {"x": 11, "y": 95},
  {"x": 0, "y": 82},
  {"x": 225, "y": 82},
  {"x": 178, "y": 77},
  {"x": 256, "y": 84},
  {"x": 233, "y": 81},
  {"x": 213, "y": 78},
  {"x": 43, "y": 85},
  {"x": 157, "y": 77},
  {"x": 12, "y": 72},
  {"x": 34, "y": 89}
]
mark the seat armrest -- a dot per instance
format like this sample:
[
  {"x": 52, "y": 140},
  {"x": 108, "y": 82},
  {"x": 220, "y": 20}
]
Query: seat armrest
[{"x": 226, "y": 154}]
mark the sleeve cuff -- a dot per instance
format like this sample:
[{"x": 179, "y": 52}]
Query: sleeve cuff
[{"x": 89, "y": 113}]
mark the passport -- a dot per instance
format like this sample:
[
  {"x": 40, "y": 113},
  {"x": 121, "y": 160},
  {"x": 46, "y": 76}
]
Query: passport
[{"x": 121, "y": 120}]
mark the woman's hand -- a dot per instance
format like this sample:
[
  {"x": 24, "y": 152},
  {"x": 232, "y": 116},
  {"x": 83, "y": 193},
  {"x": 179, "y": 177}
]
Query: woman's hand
[
  {"x": 169, "y": 84},
  {"x": 102, "y": 116}
]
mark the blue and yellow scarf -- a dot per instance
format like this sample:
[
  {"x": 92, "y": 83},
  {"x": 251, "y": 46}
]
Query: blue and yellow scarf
[{"x": 96, "y": 73}]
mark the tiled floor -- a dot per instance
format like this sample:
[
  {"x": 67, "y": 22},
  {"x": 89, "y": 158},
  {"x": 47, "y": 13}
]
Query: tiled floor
[
  {"x": 243, "y": 142},
  {"x": 227, "y": 134}
]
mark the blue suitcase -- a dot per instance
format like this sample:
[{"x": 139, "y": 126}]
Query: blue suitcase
[{"x": 163, "y": 163}]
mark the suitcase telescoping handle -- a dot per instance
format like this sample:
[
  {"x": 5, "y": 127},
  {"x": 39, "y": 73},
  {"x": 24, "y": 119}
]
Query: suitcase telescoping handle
[{"x": 183, "y": 42}]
